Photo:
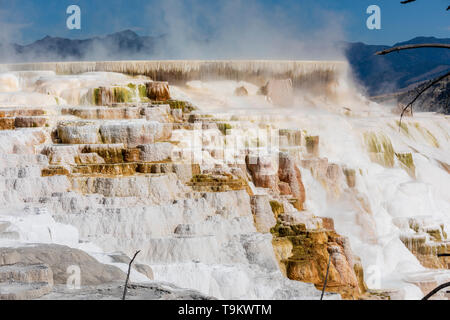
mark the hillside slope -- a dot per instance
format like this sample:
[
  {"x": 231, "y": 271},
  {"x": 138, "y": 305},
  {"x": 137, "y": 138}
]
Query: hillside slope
[{"x": 390, "y": 73}]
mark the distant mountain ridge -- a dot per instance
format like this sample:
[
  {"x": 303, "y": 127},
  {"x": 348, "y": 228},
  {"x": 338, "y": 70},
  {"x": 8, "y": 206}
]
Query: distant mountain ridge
[
  {"x": 378, "y": 74},
  {"x": 121, "y": 45},
  {"x": 397, "y": 71}
]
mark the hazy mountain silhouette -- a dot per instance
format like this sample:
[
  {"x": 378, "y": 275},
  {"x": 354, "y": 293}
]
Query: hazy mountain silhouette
[
  {"x": 398, "y": 70},
  {"x": 118, "y": 46},
  {"x": 378, "y": 74}
]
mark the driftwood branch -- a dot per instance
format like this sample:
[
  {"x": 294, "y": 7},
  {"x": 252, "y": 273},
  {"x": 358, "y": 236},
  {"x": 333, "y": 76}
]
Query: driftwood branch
[
  {"x": 436, "y": 290},
  {"x": 413, "y": 46},
  {"x": 326, "y": 278},
  {"x": 428, "y": 86},
  {"x": 128, "y": 275}
]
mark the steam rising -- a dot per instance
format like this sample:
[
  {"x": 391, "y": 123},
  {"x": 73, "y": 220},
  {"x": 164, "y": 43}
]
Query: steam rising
[
  {"x": 239, "y": 29},
  {"x": 195, "y": 29}
]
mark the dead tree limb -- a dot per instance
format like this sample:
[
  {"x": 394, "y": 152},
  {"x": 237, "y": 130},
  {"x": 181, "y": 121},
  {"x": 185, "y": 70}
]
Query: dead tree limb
[
  {"x": 128, "y": 275},
  {"x": 326, "y": 278},
  {"x": 409, "y": 1},
  {"x": 436, "y": 290},
  {"x": 428, "y": 86},
  {"x": 413, "y": 46},
  {"x": 432, "y": 83}
]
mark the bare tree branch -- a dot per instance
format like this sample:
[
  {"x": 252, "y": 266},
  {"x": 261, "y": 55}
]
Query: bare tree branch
[
  {"x": 326, "y": 278},
  {"x": 409, "y": 1},
  {"x": 436, "y": 290},
  {"x": 428, "y": 86},
  {"x": 128, "y": 275},
  {"x": 413, "y": 46}
]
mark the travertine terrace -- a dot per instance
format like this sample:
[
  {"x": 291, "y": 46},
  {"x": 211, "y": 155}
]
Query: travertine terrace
[{"x": 224, "y": 191}]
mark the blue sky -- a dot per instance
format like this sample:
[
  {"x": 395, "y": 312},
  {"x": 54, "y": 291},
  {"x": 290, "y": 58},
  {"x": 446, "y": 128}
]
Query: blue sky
[{"x": 24, "y": 21}]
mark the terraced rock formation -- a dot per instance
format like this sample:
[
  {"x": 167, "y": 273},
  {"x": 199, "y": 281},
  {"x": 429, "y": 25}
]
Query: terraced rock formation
[
  {"x": 234, "y": 205},
  {"x": 123, "y": 176}
]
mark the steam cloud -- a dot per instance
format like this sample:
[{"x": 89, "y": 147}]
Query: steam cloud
[
  {"x": 237, "y": 29},
  {"x": 197, "y": 29}
]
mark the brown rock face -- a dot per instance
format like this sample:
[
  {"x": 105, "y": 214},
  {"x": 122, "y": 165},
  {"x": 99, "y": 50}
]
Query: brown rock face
[
  {"x": 262, "y": 172},
  {"x": 304, "y": 254},
  {"x": 115, "y": 169},
  {"x": 29, "y": 122},
  {"x": 110, "y": 153},
  {"x": 289, "y": 173},
  {"x": 55, "y": 171},
  {"x": 287, "y": 180},
  {"x": 218, "y": 182},
  {"x": 158, "y": 91},
  {"x": 328, "y": 224},
  {"x": 88, "y": 158},
  {"x": 7, "y": 124},
  {"x": 131, "y": 155},
  {"x": 285, "y": 189}
]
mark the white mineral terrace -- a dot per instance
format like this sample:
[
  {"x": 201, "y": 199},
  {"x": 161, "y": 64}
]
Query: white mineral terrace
[
  {"x": 298, "y": 71},
  {"x": 119, "y": 177}
]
